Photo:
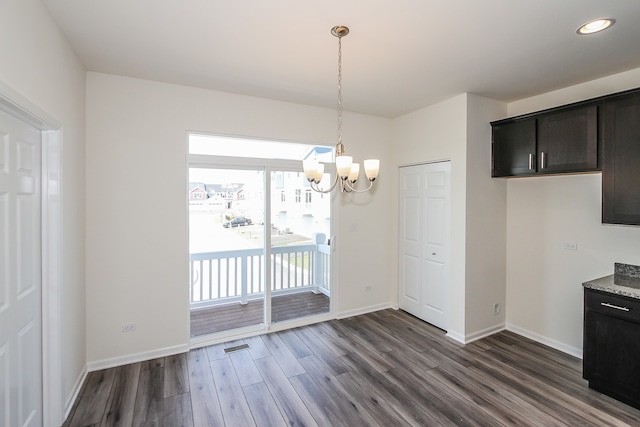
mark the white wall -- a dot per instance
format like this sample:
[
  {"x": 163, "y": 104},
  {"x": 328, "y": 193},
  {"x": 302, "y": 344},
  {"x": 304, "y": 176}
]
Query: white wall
[
  {"x": 486, "y": 217},
  {"x": 38, "y": 64},
  {"x": 458, "y": 130},
  {"x": 438, "y": 132},
  {"x": 544, "y": 293},
  {"x": 137, "y": 252}
]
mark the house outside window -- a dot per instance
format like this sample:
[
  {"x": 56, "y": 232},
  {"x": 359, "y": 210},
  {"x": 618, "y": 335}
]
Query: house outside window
[{"x": 298, "y": 195}]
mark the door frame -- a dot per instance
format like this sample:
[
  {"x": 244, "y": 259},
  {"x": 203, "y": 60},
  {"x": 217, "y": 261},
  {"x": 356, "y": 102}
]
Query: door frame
[
  {"x": 17, "y": 106},
  {"x": 268, "y": 166},
  {"x": 447, "y": 236}
]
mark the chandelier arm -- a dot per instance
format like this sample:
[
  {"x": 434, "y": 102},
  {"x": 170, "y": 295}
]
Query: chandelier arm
[
  {"x": 329, "y": 190},
  {"x": 352, "y": 189}
]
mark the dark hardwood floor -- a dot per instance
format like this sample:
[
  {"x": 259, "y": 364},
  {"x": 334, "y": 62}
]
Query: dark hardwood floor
[
  {"x": 381, "y": 369},
  {"x": 230, "y": 316}
]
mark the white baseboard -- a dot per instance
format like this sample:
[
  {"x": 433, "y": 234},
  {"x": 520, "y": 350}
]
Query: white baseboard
[
  {"x": 75, "y": 392},
  {"x": 137, "y": 357},
  {"x": 456, "y": 336},
  {"x": 573, "y": 351},
  {"x": 363, "y": 310},
  {"x": 484, "y": 333}
]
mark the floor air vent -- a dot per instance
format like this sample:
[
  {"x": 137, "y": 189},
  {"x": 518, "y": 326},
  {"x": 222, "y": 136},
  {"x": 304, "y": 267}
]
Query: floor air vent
[{"x": 236, "y": 348}]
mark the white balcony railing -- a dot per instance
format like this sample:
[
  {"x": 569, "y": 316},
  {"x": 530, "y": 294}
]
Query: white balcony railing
[{"x": 238, "y": 275}]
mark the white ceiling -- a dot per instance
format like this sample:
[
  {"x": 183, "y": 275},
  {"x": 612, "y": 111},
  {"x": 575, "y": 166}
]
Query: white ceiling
[{"x": 400, "y": 56}]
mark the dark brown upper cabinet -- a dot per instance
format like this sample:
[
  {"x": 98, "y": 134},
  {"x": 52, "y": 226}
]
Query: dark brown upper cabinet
[
  {"x": 563, "y": 140},
  {"x": 568, "y": 141},
  {"x": 514, "y": 148},
  {"x": 620, "y": 134}
]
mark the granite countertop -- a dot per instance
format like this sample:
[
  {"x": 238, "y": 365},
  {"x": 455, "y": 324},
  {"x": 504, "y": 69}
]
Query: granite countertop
[{"x": 625, "y": 281}]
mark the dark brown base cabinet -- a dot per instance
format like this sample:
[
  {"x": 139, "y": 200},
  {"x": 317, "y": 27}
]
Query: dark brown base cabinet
[{"x": 611, "y": 360}]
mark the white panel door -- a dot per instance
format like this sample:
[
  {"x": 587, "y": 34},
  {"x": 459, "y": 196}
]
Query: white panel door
[
  {"x": 424, "y": 241},
  {"x": 20, "y": 274},
  {"x": 435, "y": 240},
  {"x": 410, "y": 242}
]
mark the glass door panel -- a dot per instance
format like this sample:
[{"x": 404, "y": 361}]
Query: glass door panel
[
  {"x": 300, "y": 254},
  {"x": 226, "y": 249}
]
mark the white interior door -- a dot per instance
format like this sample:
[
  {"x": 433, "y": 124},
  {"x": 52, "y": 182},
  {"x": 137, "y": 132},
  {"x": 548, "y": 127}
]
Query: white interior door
[
  {"x": 424, "y": 241},
  {"x": 435, "y": 241},
  {"x": 410, "y": 244},
  {"x": 20, "y": 274}
]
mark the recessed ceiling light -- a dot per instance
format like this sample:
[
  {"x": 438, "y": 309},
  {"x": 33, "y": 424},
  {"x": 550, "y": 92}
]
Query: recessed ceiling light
[{"x": 595, "y": 26}]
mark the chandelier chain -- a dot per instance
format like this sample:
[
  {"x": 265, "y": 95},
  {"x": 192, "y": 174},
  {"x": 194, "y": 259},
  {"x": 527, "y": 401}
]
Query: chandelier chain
[{"x": 340, "y": 90}]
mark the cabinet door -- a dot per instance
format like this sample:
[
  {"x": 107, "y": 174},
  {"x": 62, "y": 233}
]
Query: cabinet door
[
  {"x": 514, "y": 148},
  {"x": 568, "y": 141},
  {"x": 620, "y": 124},
  {"x": 611, "y": 351}
]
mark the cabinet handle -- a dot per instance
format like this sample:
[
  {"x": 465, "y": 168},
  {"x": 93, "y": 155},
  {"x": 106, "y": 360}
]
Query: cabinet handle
[
  {"x": 542, "y": 160},
  {"x": 617, "y": 307},
  {"x": 530, "y": 161}
]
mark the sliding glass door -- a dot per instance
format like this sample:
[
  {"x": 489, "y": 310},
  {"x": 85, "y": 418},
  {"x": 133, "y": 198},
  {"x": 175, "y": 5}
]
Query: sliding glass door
[
  {"x": 226, "y": 249},
  {"x": 258, "y": 235},
  {"x": 300, "y": 253}
]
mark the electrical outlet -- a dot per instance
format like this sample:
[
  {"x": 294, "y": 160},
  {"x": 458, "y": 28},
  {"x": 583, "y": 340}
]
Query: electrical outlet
[
  {"x": 128, "y": 327},
  {"x": 368, "y": 288},
  {"x": 496, "y": 308},
  {"x": 570, "y": 246}
]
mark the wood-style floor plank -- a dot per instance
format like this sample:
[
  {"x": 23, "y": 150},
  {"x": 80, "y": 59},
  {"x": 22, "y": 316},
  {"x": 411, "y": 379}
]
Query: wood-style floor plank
[
  {"x": 150, "y": 397},
  {"x": 295, "y": 344},
  {"x": 383, "y": 368},
  {"x": 350, "y": 410},
  {"x": 354, "y": 343},
  {"x": 235, "y": 409},
  {"x": 257, "y": 348},
  {"x": 281, "y": 353},
  {"x": 321, "y": 350},
  {"x": 177, "y": 411},
  {"x": 217, "y": 351},
  {"x": 123, "y": 396},
  {"x": 263, "y": 407},
  {"x": 291, "y": 406},
  {"x": 322, "y": 408},
  {"x": 176, "y": 376},
  {"x": 95, "y": 397},
  {"x": 152, "y": 363},
  {"x": 204, "y": 397},
  {"x": 564, "y": 407},
  {"x": 245, "y": 368},
  {"x": 362, "y": 332},
  {"x": 371, "y": 399},
  {"x": 496, "y": 398},
  {"x": 396, "y": 396}
]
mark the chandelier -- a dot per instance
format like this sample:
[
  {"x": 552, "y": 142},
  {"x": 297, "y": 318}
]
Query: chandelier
[{"x": 347, "y": 171}]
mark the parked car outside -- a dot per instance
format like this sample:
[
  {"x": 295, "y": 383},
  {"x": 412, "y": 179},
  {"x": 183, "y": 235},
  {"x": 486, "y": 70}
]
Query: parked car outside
[{"x": 237, "y": 222}]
